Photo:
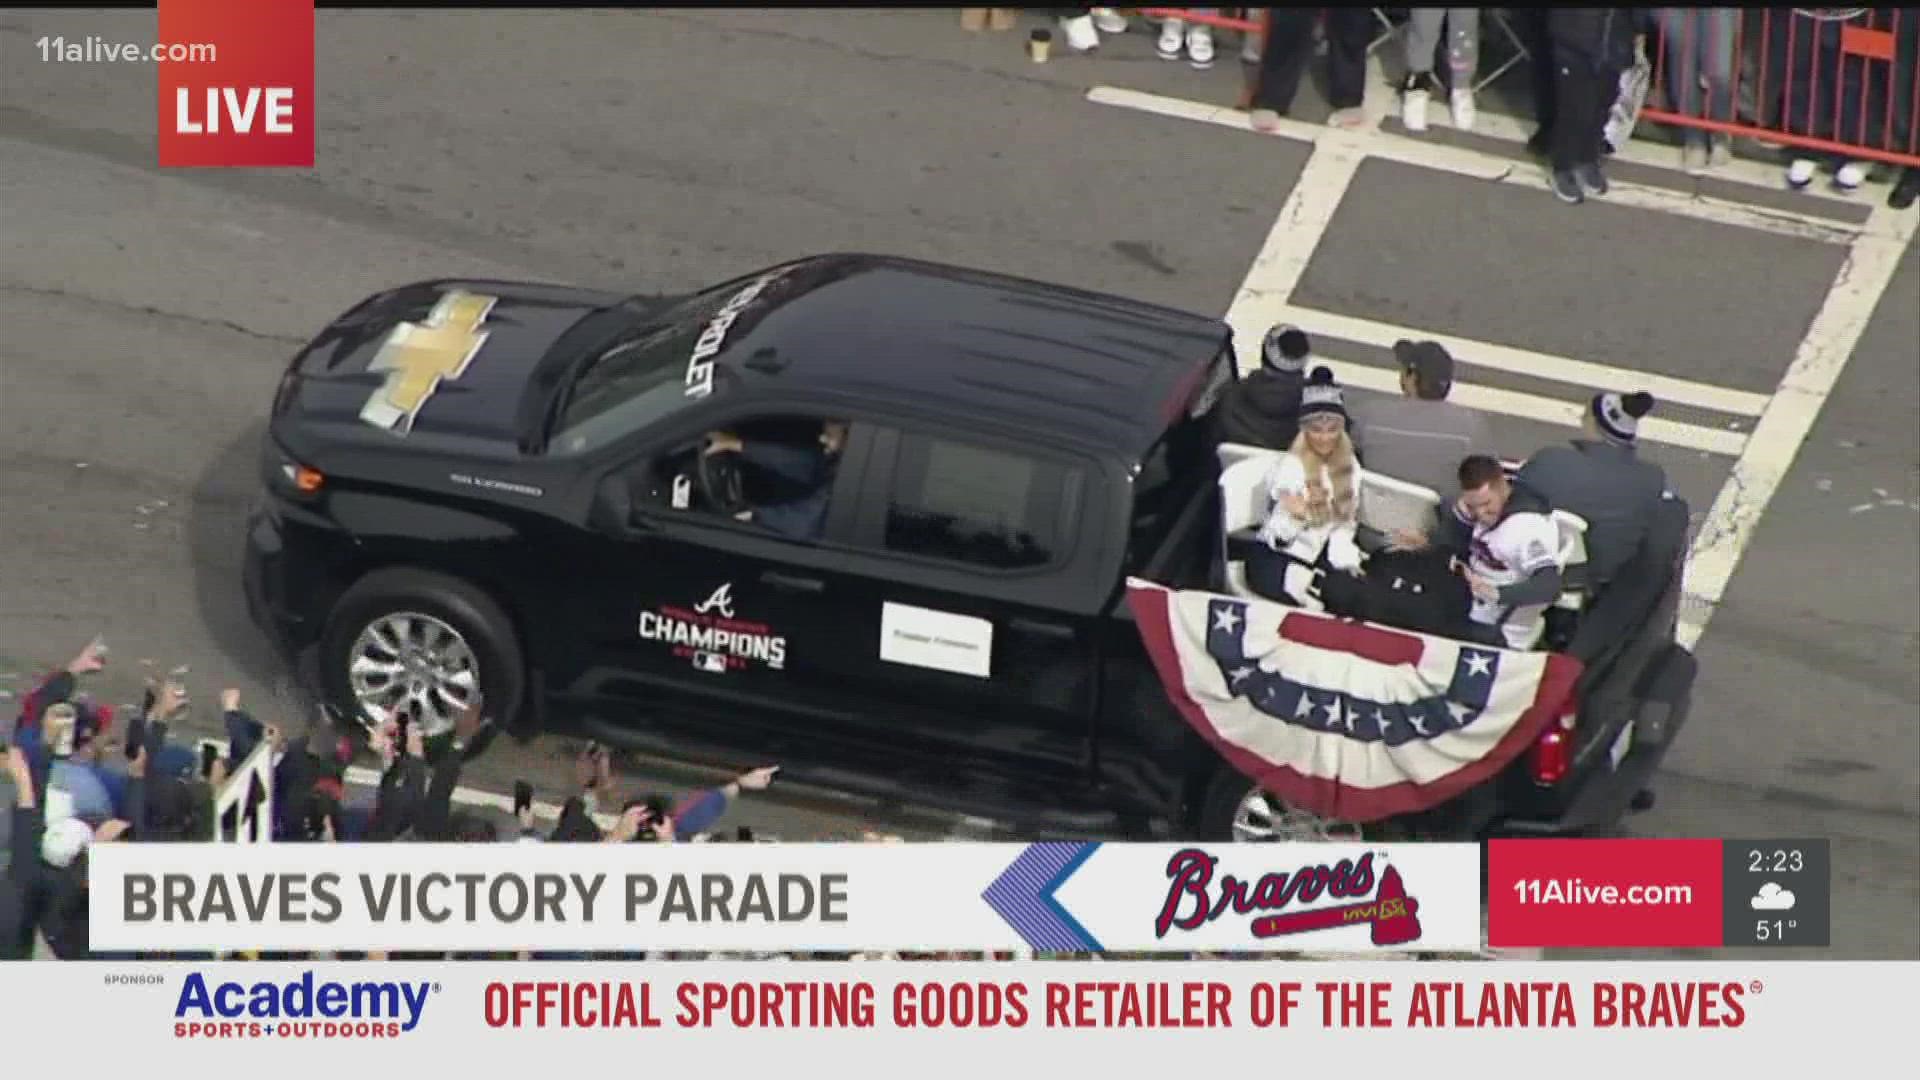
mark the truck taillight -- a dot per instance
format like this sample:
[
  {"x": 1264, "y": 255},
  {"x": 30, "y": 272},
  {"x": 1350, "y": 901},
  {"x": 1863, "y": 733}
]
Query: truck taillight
[{"x": 1552, "y": 755}]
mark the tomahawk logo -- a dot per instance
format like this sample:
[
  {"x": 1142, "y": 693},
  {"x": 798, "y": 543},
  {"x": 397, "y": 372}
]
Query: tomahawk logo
[
  {"x": 721, "y": 601},
  {"x": 1194, "y": 900}
]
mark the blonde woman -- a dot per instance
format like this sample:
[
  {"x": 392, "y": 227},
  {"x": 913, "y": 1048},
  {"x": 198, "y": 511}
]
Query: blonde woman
[{"x": 1314, "y": 490}]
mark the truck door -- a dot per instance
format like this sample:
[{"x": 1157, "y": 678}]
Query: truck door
[{"x": 960, "y": 631}]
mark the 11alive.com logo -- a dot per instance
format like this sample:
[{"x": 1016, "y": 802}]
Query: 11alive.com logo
[
  {"x": 248, "y": 101},
  {"x": 301, "y": 1008}
]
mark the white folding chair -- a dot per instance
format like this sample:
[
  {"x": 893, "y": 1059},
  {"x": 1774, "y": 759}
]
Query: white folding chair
[
  {"x": 1243, "y": 506},
  {"x": 1572, "y": 558},
  {"x": 1387, "y": 504}
]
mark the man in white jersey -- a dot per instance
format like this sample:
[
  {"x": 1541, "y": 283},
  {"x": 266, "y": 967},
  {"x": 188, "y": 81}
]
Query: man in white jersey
[{"x": 1504, "y": 536}]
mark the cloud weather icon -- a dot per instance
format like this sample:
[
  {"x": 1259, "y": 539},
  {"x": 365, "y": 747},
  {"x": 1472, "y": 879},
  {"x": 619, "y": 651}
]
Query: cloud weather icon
[{"x": 1772, "y": 897}]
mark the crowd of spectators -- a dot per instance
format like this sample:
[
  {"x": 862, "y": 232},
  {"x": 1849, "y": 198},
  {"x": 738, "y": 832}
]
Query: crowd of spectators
[
  {"x": 1784, "y": 69},
  {"x": 81, "y": 775}
]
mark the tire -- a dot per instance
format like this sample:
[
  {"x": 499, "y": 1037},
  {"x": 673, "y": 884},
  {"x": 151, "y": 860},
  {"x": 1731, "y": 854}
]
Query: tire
[
  {"x": 1221, "y": 805},
  {"x": 478, "y": 620}
]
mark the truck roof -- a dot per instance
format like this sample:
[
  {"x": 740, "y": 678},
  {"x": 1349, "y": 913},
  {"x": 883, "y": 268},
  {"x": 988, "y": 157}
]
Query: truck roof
[{"x": 1102, "y": 369}]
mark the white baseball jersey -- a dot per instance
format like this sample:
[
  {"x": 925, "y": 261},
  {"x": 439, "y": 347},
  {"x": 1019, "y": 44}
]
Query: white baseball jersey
[{"x": 1511, "y": 551}]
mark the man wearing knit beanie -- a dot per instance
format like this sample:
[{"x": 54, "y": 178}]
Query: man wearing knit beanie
[
  {"x": 1263, "y": 409},
  {"x": 1602, "y": 479}
]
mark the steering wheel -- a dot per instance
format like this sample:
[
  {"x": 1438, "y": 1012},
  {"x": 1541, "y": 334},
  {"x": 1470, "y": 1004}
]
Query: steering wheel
[{"x": 721, "y": 481}]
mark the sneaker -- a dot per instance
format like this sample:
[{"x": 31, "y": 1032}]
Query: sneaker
[
  {"x": 1463, "y": 110},
  {"x": 1173, "y": 34},
  {"x": 1591, "y": 178},
  {"x": 1109, "y": 21},
  {"x": 1351, "y": 118},
  {"x": 1693, "y": 158},
  {"x": 1800, "y": 173},
  {"x": 1567, "y": 189},
  {"x": 1200, "y": 47},
  {"x": 1265, "y": 120},
  {"x": 1721, "y": 152},
  {"x": 1414, "y": 97},
  {"x": 1850, "y": 176}
]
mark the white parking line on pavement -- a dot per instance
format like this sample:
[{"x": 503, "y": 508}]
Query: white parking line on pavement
[
  {"x": 1560, "y": 412},
  {"x": 1872, "y": 261},
  {"x": 361, "y": 776},
  {"x": 1430, "y": 155},
  {"x": 1763, "y": 456},
  {"x": 1537, "y": 365},
  {"x": 1296, "y": 233}
]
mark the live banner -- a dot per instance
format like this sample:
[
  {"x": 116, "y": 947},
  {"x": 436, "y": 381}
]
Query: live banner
[{"x": 825, "y": 897}]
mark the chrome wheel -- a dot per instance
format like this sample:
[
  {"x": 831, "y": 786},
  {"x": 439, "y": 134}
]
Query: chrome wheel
[
  {"x": 1262, "y": 819},
  {"x": 415, "y": 662}
]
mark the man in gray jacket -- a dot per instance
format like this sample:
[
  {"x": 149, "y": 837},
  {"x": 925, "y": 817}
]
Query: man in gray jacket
[
  {"x": 1604, "y": 481},
  {"x": 1420, "y": 437}
]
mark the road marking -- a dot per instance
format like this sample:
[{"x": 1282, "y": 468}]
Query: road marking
[
  {"x": 1762, "y": 456},
  {"x": 1482, "y": 166},
  {"x": 1537, "y": 365},
  {"x": 1546, "y": 410},
  {"x": 361, "y": 776},
  {"x": 1296, "y": 233},
  {"x": 1264, "y": 294},
  {"x": 1872, "y": 262}
]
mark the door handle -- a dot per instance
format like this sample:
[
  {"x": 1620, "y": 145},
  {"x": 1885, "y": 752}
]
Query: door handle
[
  {"x": 1041, "y": 629},
  {"x": 793, "y": 584}
]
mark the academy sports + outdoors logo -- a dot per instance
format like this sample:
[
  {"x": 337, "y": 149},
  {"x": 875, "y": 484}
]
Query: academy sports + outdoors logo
[
  {"x": 1380, "y": 899},
  {"x": 303, "y": 1008}
]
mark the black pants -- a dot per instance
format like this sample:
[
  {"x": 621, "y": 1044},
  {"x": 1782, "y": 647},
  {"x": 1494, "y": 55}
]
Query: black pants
[
  {"x": 1531, "y": 26},
  {"x": 1289, "y": 45},
  {"x": 1583, "y": 96}
]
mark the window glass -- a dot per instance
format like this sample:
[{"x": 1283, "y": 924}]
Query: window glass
[{"x": 969, "y": 504}]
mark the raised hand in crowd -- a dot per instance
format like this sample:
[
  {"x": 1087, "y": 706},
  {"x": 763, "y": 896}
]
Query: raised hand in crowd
[
  {"x": 91, "y": 659},
  {"x": 753, "y": 780}
]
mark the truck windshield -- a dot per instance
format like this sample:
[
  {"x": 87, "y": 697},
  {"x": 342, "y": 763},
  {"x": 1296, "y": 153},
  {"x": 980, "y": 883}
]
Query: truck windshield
[{"x": 657, "y": 368}]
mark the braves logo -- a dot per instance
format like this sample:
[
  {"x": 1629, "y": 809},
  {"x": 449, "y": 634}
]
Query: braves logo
[
  {"x": 1381, "y": 901},
  {"x": 721, "y": 600}
]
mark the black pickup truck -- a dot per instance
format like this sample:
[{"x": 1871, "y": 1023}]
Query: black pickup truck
[{"x": 516, "y": 490}]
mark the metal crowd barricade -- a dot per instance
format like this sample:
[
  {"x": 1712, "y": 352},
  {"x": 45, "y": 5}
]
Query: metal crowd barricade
[
  {"x": 246, "y": 796},
  {"x": 1835, "y": 81}
]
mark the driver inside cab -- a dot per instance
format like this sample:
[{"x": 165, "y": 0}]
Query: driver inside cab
[{"x": 796, "y": 479}]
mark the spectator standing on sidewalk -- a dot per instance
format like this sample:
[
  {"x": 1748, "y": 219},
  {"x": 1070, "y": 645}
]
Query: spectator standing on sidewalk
[
  {"x": 1196, "y": 40},
  {"x": 1288, "y": 47},
  {"x": 1696, "y": 44},
  {"x": 1592, "y": 48},
  {"x": 1463, "y": 60}
]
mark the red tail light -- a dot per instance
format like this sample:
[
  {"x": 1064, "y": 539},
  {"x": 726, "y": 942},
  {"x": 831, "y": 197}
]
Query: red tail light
[{"x": 1552, "y": 755}]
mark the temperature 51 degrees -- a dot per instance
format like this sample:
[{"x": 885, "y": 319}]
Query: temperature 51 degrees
[
  {"x": 1774, "y": 929},
  {"x": 238, "y": 108}
]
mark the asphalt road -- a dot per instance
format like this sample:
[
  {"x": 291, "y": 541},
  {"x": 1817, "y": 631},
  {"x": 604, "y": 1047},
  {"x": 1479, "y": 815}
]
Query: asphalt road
[{"x": 145, "y": 315}]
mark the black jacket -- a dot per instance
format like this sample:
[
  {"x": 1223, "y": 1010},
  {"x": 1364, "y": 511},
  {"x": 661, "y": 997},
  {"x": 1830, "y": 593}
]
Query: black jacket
[
  {"x": 1599, "y": 37},
  {"x": 1262, "y": 409}
]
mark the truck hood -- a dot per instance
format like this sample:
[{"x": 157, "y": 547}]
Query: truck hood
[{"x": 451, "y": 358}]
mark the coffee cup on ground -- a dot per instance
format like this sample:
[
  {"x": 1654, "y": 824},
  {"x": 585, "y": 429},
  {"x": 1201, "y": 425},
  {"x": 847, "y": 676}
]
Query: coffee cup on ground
[{"x": 1039, "y": 44}]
